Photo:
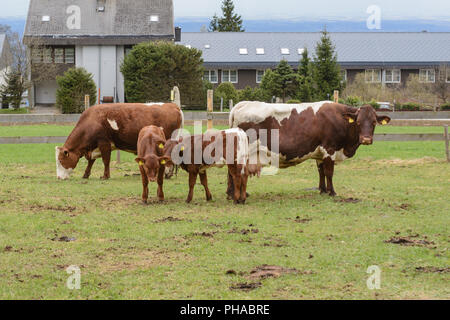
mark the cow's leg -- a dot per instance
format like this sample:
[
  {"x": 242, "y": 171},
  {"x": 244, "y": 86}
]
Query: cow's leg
[
  {"x": 237, "y": 187},
  {"x": 322, "y": 185},
  {"x": 244, "y": 181},
  {"x": 204, "y": 181},
  {"x": 144, "y": 184},
  {"x": 328, "y": 168},
  {"x": 230, "y": 189},
  {"x": 87, "y": 173},
  {"x": 105, "y": 150},
  {"x": 161, "y": 173},
  {"x": 192, "y": 181}
]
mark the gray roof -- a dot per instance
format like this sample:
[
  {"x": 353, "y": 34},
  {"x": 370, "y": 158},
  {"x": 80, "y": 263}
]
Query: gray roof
[
  {"x": 122, "y": 22},
  {"x": 353, "y": 49}
]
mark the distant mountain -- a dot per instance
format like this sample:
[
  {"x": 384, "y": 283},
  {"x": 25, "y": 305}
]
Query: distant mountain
[{"x": 297, "y": 25}]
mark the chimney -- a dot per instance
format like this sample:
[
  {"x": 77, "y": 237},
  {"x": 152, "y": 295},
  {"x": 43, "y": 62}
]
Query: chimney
[{"x": 177, "y": 34}]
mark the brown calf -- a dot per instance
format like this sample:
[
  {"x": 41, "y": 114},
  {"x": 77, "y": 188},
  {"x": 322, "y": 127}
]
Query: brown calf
[
  {"x": 151, "y": 159},
  {"x": 195, "y": 154}
]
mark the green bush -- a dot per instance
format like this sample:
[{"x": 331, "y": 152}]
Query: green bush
[
  {"x": 410, "y": 106},
  {"x": 374, "y": 104},
  {"x": 227, "y": 91},
  {"x": 72, "y": 88},
  {"x": 445, "y": 107},
  {"x": 294, "y": 101},
  {"x": 252, "y": 94},
  {"x": 353, "y": 101}
]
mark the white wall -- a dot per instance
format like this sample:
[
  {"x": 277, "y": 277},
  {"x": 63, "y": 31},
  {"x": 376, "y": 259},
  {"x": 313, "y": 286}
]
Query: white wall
[
  {"x": 120, "y": 53},
  {"x": 46, "y": 92},
  {"x": 108, "y": 71}
]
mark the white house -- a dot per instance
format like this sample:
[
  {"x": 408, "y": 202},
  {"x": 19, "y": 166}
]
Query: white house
[
  {"x": 5, "y": 57},
  {"x": 93, "y": 34}
]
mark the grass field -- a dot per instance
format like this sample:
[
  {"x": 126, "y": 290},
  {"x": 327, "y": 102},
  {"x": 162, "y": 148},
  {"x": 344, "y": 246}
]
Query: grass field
[
  {"x": 207, "y": 250},
  {"x": 14, "y": 111}
]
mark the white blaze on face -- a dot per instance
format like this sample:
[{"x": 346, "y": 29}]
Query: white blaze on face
[
  {"x": 61, "y": 172},
  {"x": 257, "y": 112},
  {"x": 113, "y": 124}
]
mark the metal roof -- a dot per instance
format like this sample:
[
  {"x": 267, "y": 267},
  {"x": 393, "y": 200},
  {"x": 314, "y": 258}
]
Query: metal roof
[
  {"x": 353, "y": 49},
  {"x": 129, "y": 21}
]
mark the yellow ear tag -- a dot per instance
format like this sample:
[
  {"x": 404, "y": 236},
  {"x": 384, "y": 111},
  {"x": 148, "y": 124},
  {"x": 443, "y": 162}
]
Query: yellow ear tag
[
  {"x": 161, "y": 146},
  {"x": 141, "y": 163},
  {"x": 384, "y": 122},
  {"x": 182, "y": 148},
  {"x": 163, "y": 161},
  {"x": 351, "y": 120}
]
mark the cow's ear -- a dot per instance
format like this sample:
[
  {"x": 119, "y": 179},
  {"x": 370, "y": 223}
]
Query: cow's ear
[
  {"x": 165, "y": 160},
  {"x": 140, "y": 161},
  {"x": 383, "y": 120},
  {"x": 350, "y": 117},
  {"x": 66, "y": 153}
]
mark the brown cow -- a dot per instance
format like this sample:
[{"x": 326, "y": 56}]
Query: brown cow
[
  {"x": 151, "y": 159},
  {"x": 104, "y": 128},
  {"x": 324, "y": 131},
  {"x": 195, "y": 154}
]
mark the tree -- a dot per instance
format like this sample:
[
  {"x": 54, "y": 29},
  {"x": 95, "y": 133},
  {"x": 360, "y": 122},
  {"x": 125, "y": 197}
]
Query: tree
[
  {"x": 152, "y": 69},
  {"x": 72, "y": 88},
  {"x": 227, "y": 92},
  {"x": 326, "y": 70},
  {"x": 281, "y": 82},
  {"x": 306, "y": 82},
  {"x": 229, "y": 22}
]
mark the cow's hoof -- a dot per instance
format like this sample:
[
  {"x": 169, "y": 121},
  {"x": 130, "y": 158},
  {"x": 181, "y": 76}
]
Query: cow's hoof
[
  {"x": 229, "y": 197},
  {"x": 104, "y": 178},
  {"x": 85, "y": 177},
  {"x": 161, "y": 200},
  {"x": 333, "y": 194},
  {"x": 209, "y": 198},
  {"x": 144, "y": 202},
  {"x": 188, "y": 200},
  {"x": 247, "y": 195}
]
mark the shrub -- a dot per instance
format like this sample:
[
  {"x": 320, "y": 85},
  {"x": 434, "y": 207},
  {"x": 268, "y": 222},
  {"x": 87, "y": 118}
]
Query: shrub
[
  {"x": 294, "y": 101},
  {"x": 353, "y": 101},
  {"x": 227, "y": 91},
  {"x": 410, "y": 106},
  {"x": 374, "y": 104},
  {"x": 252, "y": 94},
  {"x": 72, "y": 87},
  {"x": 445, "y": 107}
]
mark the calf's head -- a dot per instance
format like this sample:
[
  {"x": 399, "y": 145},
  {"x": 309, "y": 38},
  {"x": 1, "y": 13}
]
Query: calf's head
[
  {"x": 152, "y": 161},
  {"x": 365, "y": 119},
  {"x": 66, "y": 161}
]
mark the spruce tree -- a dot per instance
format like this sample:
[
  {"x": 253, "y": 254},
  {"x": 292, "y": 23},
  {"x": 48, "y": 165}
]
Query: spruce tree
[
  {"x": 229, "y": 22},
  {"x": 326, "y": 70},
  {"x": 306, "y": 82},
  {"x": 281, "y": 82}
]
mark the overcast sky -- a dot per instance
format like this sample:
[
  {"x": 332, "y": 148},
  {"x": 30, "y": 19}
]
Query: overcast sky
[{"x": 267, "y": 9}]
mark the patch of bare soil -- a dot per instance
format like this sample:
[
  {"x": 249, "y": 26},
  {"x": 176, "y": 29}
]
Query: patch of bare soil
[
  {"x": 265, "y": 271},
  {"x": 64, "y": 239},
  {"x": 246, "y": 286},
  {"x": 410, "y": 241},
  {"x": 168, "y": 219},
  {"x": 401, "y": 162},
  {"x": 348, "y": 200},
  {"x": 298, "y": 219},
  {"x": 205, "y": 234},
  {"x": 243, "y": 231},
  {"x": 433, "y": 270},
  {"x": 39, "y": 207}
]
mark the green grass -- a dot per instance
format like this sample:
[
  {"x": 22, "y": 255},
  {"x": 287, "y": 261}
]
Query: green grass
[
  {"x": 61, "y": 130},
  {"x": 125, "y": 251},
  {"x": 14, "y": 111}
]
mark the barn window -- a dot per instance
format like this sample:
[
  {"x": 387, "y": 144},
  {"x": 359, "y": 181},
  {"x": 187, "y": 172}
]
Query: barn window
[
  {"x": 230, "y": 76},
  {"x": 259, "y": 75},
  {"x": 427, "y": 75},
  {"x": 392, "y": 76},
  {"x": 243, "y": 51},
  {"x": 260, "y": 51},
  {"x": 285, "y": 51},
  {"x": 211, "y": 76},
  {"x": 373, "y": 75}
]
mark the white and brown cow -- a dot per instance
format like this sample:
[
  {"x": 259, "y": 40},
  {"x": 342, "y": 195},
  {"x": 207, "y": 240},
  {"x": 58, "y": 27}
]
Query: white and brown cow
[
  {"x": 323, "y": 131},
  {"x": 104, "y": 128}
]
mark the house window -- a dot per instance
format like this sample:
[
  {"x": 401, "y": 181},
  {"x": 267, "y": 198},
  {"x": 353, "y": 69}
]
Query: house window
[
  {"x": 70, "y": 55},
  {"x": 285, "y": 51},
  {"x": 59, "y": 55},
  {"x": 211, "y": 76},
  {"x": 36, "y": 55},
  {"x": 230, "y": 76},
  {"x": 444, "y": 74},
  {"x": 259, "y": 75},
  {"x": 392, "y": 76},
  {"x": 343, "y": 75},
  {"x": 154, "y": 18},
  {"x": 243, "y": 51},
  {"x": 427, "y": 75},
  {"x": 373, "y": 75},
  {"x": 448, "y": 76},
  {"x": 260, "y": 51},
  {"x": 48, "y": 55}
]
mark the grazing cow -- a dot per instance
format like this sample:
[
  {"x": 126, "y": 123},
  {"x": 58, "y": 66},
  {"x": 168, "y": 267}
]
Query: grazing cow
[
  {"x": 104, "y": 128},
  {"x": 151, "y": 159},
  {"x": 195, "y": 154},
  {"x": 325, "y": 131}
]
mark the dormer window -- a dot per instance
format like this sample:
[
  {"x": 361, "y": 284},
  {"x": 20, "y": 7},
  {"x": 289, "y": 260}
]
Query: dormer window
[
  {"x": 45, "y": 18},
  {"x": 243, "y": 51},
  {"x": 154, "y": 18},
  {"x": 285, "y": 51},
  {"x": 260, "y": 51},
  {"x": 101, "y": 9},
  {"x": 300, "y": 51},
  {"x": 207, "y": 46}
]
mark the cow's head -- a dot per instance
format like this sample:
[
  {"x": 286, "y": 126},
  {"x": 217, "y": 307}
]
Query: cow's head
[
  {"x": 174, "y": 150},
  {"x": 151, "y": 165},
  {"x": 365, "y": 119},
  {"x": 66, "y": 161}
]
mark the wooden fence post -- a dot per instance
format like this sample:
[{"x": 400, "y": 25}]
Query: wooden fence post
[
  {"x": 231, "y": 105},
  {"x": 336, "y": 96},
  {"x": 177, "y": 97},
  {"x": 210, "y": 107},
  {"x": 447, "y": 151},
  {"x": 87, "y": 102}
]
